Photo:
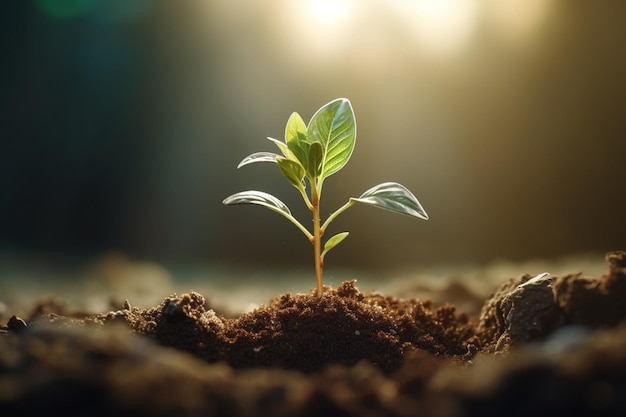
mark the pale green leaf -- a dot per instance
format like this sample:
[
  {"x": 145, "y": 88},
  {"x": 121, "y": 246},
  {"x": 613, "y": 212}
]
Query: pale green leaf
[
  {"x": 394, "y": 197},
  {"x": 258, "y": 157},
  {"x": 335, "y": 240},
  {"x": 295, "y": 131},
  {"x": 259, "y": 198},
  {"x": 293, "y": 171},
  {"x": 334, "y": 126},
  {"x": 296, "y": 139}
]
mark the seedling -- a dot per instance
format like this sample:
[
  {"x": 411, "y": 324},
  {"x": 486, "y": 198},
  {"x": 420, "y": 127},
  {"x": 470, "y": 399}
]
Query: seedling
[{"x": 311, "y": 153}]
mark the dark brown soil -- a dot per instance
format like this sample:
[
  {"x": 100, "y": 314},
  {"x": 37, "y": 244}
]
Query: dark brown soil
[{"x": 541, "y": 345}]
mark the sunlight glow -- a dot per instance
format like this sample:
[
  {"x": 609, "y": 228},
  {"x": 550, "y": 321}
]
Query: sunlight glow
[
  {"x": 320, "y": 26},
  {"x": 327, "y": 12},
  {"x": 440, "y": 27},
  {"x": 517, "y": 20},
  {"x": 436, "y": 27},
  {"x": 376, "y": 34}
]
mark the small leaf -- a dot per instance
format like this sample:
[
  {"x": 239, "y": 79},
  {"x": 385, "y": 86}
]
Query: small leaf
[
  {"x": 315, "y": 159},
  {"x": 293, "y": 171},
  {"x": 394, "y": 197},
  {"x": 296, "y": 139},
  {"x": 334, "y": 127},
  {"x": 258, "y": 157},
  {"x": 335, "y": 240},
  {"x": 260, "y": 198},
  {"x": 295, "y": 131}
]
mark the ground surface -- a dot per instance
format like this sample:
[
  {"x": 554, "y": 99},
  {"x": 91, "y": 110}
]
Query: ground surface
[{"x": 538, "y": 343}]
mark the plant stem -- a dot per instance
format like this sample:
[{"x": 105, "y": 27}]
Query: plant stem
[
  {"x": 298, "y": 225},
  {"x": 317, "y": 239},
  {"x": 340, "y": 210}
]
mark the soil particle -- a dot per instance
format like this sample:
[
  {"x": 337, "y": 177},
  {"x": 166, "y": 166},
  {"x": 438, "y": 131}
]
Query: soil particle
[
  {"x": 16, "y": 324},
  {"x": 522, "y": 310}
]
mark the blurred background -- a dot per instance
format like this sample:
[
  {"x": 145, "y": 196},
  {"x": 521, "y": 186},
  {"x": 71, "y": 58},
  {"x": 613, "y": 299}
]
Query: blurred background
[{"x": 122, "y": 123}]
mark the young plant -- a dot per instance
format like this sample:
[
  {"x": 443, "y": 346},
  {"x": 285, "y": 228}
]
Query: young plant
[{"x": 310, "y": 154}]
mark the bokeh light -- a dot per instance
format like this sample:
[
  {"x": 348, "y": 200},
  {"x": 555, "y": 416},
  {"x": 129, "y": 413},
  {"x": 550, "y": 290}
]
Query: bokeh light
[{"x": 63, "y": 9}]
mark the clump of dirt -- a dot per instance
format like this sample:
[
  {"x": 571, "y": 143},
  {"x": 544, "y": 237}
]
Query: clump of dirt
[
  {"x": 594, "y": 302},
  {"x": 527, "y": 309}
]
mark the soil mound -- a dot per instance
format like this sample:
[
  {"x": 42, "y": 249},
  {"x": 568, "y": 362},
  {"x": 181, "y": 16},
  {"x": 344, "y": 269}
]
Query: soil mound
[{"x": 544, "y": 345}]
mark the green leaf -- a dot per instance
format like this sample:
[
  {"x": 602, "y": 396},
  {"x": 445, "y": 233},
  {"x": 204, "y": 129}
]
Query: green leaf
[
  {"x": 315, "y": 160},
  {"x": 258, "y": 157},
  {"x": 260, "y": 198},
  {"x": 293, "y": 171},
  {"x": 296, "y": 139},
  {"x": 334, "y": 241},
  {"x": 394, "y": 197},
  {"x": 295, "y": 131},
  {"x": 334, "y": 127}
]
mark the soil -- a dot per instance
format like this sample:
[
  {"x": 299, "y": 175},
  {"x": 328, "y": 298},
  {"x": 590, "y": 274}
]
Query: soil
[{"x": 545, "y": 344}]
